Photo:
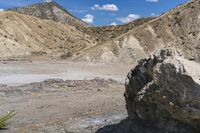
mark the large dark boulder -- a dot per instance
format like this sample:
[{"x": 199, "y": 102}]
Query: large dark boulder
[
  {"x": 162, "y": 96},
  {"x": 164, "y": 89}
]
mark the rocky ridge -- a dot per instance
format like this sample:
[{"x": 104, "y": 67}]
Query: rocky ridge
[
  {"x": 105, "y": 33},
  {"x": 51, "y": 11}
]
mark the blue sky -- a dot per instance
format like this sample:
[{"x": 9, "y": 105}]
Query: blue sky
[{"x": 106, "y": 12}]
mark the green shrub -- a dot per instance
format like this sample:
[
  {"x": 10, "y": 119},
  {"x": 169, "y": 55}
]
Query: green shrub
[{"x": 4, "y": 120}]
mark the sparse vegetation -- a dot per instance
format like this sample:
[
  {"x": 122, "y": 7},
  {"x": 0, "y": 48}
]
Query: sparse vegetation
[
  {"x": 105, "y": 33},
  {"x": 4, "y": 120},
  {"x": 66, "y": 55},
  {"x": 38, "y": 53}
]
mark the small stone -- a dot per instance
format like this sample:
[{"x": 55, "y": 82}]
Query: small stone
[
  {"x": 99, "y": 90},
  {"x": 171, "y": 103}
]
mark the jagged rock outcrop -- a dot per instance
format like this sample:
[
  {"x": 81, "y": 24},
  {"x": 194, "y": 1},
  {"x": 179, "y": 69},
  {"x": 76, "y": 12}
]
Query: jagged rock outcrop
[
  {"x": 164, "y": 88},
  {"x": 162, "y": 96}
]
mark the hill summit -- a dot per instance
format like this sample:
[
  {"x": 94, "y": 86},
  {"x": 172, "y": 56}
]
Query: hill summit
[{"x": 51, "y": 10}]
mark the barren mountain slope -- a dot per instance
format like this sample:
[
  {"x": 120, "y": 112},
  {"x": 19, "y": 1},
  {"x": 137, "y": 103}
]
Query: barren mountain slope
[
  {"x": 99, "y": 35},
  {"x": 52, "y": 11},
  {"x": 105, "y": 33},
  {"x": 23, "y": 35},
  {"x": 179, "y": 28}
]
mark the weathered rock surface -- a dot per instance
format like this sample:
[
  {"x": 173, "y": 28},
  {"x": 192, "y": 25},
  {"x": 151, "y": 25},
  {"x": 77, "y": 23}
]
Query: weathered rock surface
[
  {"x": 164, "y": 88},
  {"x": 162, "y": 96}
]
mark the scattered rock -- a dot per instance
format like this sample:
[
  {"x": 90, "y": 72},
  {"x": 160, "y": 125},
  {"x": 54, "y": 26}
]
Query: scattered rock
[{"x": 99, "y": 90}]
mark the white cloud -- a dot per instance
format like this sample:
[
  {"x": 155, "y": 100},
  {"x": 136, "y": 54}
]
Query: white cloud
[
  {"x": 107, "y": 7},
  {"x": 48, "y": 0},
  {"x": 88, "y": 18},
  {"x": 129, "y": 18},
  {"x": 114, "y": 24},
  {"x": 78, "y": 10},
  {"x": 153, "y": 14},
  {"x": 1, "y": 10},
  {"x": 152, "y": 1}
]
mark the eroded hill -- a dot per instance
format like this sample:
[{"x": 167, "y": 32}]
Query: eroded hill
[
  {"x": 51, "y": 11},
  {"x": 105, "y": 33},
  {"x": 178, "y": 28},
  {"x": 23, "y": 35}
]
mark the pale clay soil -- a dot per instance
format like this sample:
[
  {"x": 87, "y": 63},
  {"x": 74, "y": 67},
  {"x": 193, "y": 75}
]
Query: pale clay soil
[{"x": 81, "y": 104}]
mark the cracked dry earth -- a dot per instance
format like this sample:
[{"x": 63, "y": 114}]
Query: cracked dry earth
[{"x": 71, "y": 106}]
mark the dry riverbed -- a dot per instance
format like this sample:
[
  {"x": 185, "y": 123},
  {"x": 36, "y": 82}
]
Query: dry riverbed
[
  {"x": 19, "y": 72},
  {"x": 75, "y": 102}
]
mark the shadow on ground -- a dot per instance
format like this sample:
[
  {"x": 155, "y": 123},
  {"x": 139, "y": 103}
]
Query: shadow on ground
[
  {"x": 139, "y": 126},
  {"x": 3, "y": 129}
]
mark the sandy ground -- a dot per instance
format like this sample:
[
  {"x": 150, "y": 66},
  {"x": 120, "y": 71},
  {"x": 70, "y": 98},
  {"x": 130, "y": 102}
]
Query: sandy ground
[
  {"x": 18, "y": 73},
  {"x": 77, "y": 105}
]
